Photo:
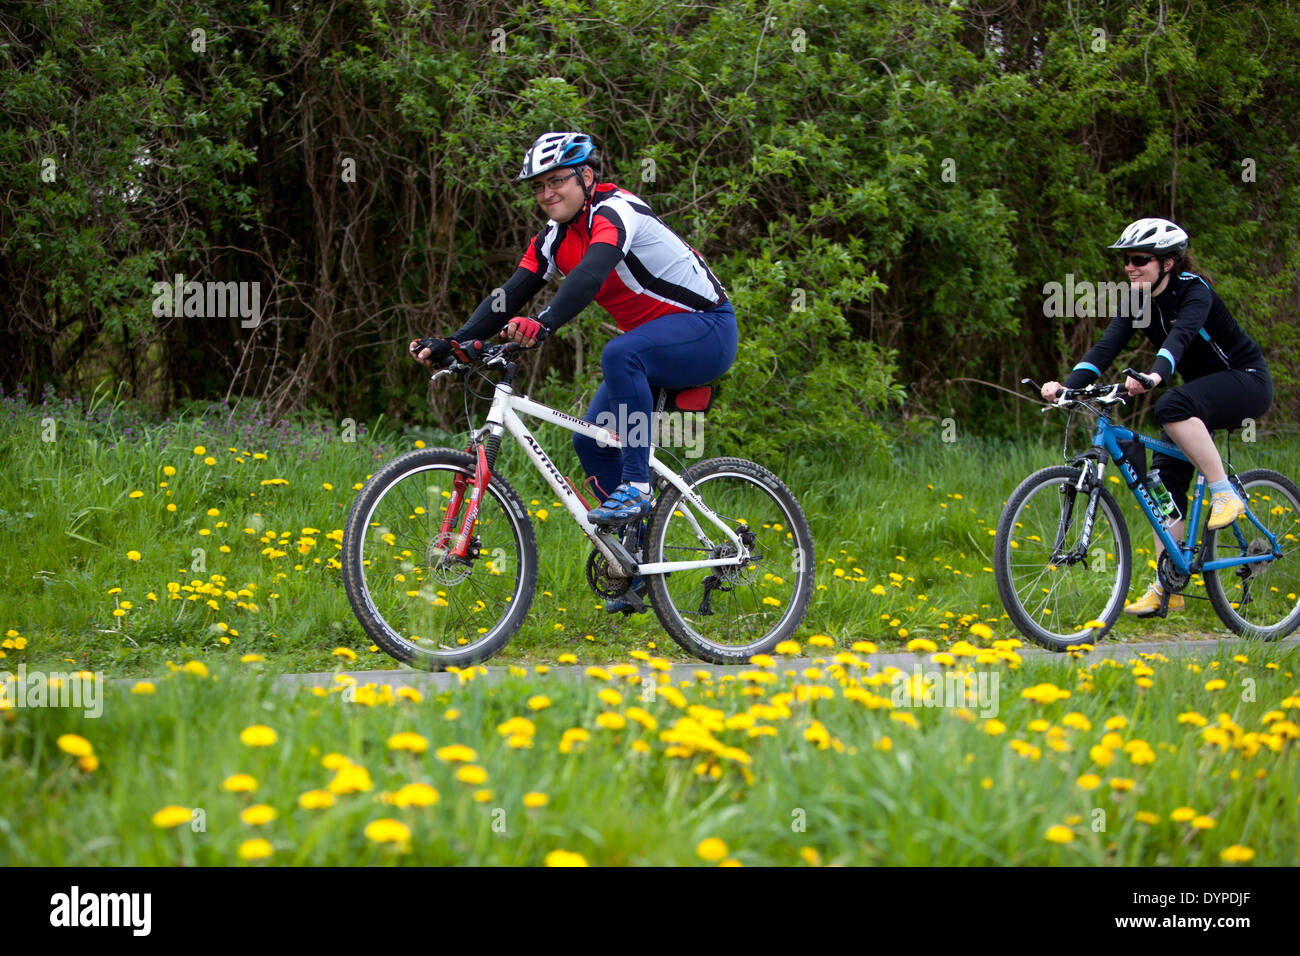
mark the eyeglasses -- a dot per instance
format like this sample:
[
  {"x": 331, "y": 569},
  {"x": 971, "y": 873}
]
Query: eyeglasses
[
  {"x": 1138, "y": 261},
  {"x": 554, "y": 182}
]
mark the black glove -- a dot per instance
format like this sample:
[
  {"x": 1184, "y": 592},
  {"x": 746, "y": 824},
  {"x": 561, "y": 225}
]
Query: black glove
[
  {"x": 467, "y": 352},
  {"x": 438, "y": 348}
]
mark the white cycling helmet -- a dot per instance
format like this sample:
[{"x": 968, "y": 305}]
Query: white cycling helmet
[
  {"x": 1158, "y": 236},
  {"x": 553, "y": 150}
]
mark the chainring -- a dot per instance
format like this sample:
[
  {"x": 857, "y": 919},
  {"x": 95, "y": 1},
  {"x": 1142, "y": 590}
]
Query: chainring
[
  {"x": 602, "y": 579},
  {"x": 1172, "y": 580}
]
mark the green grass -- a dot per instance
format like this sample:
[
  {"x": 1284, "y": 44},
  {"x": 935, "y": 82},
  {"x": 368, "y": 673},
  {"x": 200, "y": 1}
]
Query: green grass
[
  {"x": 839, "y": 778},
  {"x": 909, "y": 534}
]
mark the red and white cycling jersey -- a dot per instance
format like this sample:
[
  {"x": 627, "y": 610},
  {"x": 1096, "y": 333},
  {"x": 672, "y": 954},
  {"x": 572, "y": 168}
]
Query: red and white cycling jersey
[{"x": 659, "y": 273}]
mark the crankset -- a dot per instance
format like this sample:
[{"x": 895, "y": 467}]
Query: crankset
[
  {"x": 1170, "y": 578},
  {"x": 605, "y": 580}
]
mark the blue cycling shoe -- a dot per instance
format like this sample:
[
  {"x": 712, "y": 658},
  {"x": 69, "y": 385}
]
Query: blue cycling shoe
[
  {"x": 631, "y": 601},
  {"x": 625, "y": 505}
]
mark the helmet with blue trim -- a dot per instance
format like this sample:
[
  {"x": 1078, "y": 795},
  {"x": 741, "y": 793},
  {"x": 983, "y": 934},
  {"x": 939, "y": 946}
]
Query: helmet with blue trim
[{"x": 555, "y": 150}]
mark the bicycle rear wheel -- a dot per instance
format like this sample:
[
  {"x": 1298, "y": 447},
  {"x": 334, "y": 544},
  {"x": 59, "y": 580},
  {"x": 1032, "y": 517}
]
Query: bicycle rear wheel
[
  {"x": 1053, "y": 601},
  {"x": 415, "y": 599},
  {"x": 727, "y": 615},
  {"x": 1259, "y": 600}
]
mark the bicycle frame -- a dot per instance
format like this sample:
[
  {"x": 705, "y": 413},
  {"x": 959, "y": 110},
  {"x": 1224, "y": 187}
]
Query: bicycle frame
[
  {"x": 503, "y": 417},
  {"x": 1107, "y": 437}
]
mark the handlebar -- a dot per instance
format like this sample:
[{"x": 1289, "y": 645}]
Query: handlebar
[
  {"x": 498, "y": 354},
  {"x": 1102, "y": 394}
]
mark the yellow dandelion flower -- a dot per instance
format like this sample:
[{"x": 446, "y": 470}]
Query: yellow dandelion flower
[
  {"x": 258, "y": 814},
  {"x": 711, "y": 850},
  {"x": 171, "y": 816},
  {"x": 240, "y": 783},
  {"x": 415, "y": 795},
  {"x": 255, "y": 849},
  {"x": 316, "y": 800},
  {"x": 1237, "y": 854},
  {"x": 471, "y": 774},
  {"x": 387, "y": 830},
  {"x": 533, "y": 800},
  {"x": 565, "y": 858},
  {"x": 258, "y": 735},
  {"x": 75, "y": 745},
  {"x": 408, "y": 741},
  {"x": 351, "y": 778},
  {"x": 456, "y": 753}
]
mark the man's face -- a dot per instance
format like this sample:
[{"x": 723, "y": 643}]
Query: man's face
[{"x": 559, "y": 192}]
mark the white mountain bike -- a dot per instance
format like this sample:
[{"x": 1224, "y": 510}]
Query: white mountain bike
[{"x": 440, "y": 558}]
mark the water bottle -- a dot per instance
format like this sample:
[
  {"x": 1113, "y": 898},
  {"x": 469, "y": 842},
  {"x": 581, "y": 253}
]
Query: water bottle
[{"x": 1166, "y": 510}]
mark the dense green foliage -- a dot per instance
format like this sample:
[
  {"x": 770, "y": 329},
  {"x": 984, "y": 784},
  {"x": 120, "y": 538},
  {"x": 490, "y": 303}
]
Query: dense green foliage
[{"x": 885, "y": 188}]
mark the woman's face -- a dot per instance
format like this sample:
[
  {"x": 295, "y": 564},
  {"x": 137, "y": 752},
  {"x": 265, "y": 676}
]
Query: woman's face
[
  {"x": 1147, "y": 273},
  {"x": 559, "y": 192}
]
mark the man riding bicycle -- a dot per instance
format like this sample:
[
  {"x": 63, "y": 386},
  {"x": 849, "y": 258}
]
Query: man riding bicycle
[
  {"x": 677, "y": 327},
  {"x": 1223, "y": 368}
]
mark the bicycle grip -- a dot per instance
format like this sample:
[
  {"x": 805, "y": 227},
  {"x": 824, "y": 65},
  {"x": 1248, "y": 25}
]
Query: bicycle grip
[{"x": 1146, "y": 380}]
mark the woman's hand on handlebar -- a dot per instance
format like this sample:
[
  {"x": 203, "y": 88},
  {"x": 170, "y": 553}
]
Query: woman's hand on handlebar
[
  {"x": 1051, "y": 390},
  {"x": 1135, "y": 387}
]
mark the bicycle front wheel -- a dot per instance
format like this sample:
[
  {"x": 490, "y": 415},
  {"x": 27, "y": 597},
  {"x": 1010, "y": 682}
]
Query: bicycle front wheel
[
  {"x": 1259, "y": 600},
  {"x": 416, "y": 599},
  {"x": 1056, "y": 592},
  {"x": 726, "y": 615}
]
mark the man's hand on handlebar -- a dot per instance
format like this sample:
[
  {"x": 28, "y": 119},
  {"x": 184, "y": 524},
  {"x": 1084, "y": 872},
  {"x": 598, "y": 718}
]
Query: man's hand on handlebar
[
  {"x": 1051, "y": 390},
  {"x": 525, "y": 331},
  {"x": 428, "y": 351}
]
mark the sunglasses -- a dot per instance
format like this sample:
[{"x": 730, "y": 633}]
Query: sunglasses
[
  {"x": 1138, "y": 260},
  {"x": 554, "y": 182}
]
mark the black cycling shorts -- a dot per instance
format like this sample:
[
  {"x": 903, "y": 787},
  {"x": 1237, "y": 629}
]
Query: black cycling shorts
[{"x": 1221, "y": 400}]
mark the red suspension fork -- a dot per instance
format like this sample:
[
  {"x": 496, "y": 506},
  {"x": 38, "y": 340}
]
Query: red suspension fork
[{"x": 482, "y": 475}]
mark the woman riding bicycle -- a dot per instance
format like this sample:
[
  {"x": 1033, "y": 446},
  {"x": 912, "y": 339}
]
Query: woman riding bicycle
[
  {"x": 1226, "y": 378},
  {"x": 678, "y": 328}
]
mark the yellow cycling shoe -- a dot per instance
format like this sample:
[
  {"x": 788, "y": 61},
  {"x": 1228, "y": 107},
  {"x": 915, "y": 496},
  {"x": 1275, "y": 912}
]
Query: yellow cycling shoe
[
  {"x": 1149, "y": 603},
  {"x": 1225, "y": 508}
]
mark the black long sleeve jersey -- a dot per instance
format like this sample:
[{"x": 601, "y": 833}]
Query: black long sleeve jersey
[{"x": 1191, "y": 327}]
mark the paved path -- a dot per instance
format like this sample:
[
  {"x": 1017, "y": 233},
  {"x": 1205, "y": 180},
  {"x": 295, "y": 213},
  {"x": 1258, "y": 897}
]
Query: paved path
[{"x": 422, "y": 680}]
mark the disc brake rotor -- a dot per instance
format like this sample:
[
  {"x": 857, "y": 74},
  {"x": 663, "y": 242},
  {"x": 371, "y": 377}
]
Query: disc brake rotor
[{"x": 445, "y": 567}]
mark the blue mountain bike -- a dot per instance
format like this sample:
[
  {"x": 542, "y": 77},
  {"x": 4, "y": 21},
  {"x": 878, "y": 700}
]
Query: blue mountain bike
[{"x": 1062, "y": 558}]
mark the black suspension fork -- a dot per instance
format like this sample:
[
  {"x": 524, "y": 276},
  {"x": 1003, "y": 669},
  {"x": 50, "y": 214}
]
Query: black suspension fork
[{"x": 1069, "y": 494}]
